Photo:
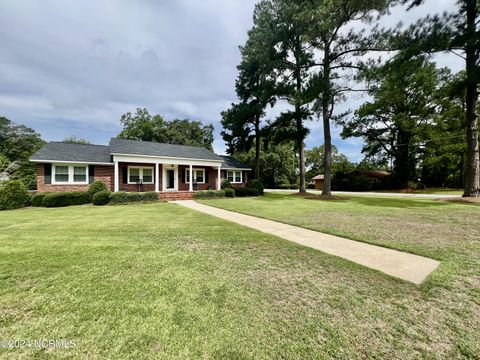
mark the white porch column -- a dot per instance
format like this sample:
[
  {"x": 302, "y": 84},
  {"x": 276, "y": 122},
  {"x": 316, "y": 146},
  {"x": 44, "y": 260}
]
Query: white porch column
[
  {"x": 157, "y": 178},
  {"x": 219, "y": 182},
  {"x": 190, "y": 185},
  {"x": 115, "y": 177}
]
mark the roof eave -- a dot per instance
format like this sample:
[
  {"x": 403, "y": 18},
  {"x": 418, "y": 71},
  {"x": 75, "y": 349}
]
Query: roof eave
[
  {"x": 71, "y": 162},
  {"x": 235, "y": 168},
  {"x": 165, "y": 157}
]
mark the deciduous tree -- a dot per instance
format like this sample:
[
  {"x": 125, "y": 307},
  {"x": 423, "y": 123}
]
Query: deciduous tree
[{"x": 146, "y": 127}]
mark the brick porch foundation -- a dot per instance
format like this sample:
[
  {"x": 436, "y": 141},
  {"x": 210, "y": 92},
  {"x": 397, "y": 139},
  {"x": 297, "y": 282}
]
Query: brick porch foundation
[{"x": 180, "y": 195}]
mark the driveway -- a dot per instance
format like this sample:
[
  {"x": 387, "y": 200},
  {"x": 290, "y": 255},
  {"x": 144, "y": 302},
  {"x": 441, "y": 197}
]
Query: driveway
[
  {"x": 406, "y": 266},
  {"x": 362, "y": 193}
]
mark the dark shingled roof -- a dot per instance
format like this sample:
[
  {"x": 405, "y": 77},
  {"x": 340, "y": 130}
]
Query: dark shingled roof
[
  {"x": 60, "y": 151},
  {"x": 133, "y": 147},
  {"x": 231, "y": 163}
]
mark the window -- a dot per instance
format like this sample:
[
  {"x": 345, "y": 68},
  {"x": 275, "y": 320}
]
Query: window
[
  {"x": 197, "y": 174},
  {"x": 234, "y": 176},
  {"x": 79, "y": 174},
  {"x": 140, "y": 174},
  {"x": 61, "y": 174},
  {"x": 134, "y": 176},
  {"x": 147, "y": 175},
  {"x": 70, "y": 174}
]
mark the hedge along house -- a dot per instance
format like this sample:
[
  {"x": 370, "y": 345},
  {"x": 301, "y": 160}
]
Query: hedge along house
[{"x": 174, "y": 171}]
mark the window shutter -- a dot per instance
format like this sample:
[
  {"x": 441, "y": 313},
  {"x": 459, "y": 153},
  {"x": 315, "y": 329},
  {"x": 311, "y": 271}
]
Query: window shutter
[
  {"x": 91, "y": 174},
  {"x": 183, "y": 175},
  {"x": 206, "y": 175},
  {"x": 124, "y": 175},
  {"x": 47, "y": 173}
]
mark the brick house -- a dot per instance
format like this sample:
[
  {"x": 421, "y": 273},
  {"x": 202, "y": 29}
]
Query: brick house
[{"x": 173, "y": 171}]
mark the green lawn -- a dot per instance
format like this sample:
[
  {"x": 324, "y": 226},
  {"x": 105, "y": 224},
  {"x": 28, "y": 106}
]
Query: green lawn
[
  {"x": 449, "y": 232},
  {"x": 161, "y": 281}
]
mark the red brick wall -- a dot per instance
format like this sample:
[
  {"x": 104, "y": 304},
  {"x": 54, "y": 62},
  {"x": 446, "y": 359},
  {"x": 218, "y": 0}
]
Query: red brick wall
[
  {"x": 245, "y": 177},
  {"x": 102, "y": 173},
  {"x": 212, "y": 176},
  {"x": 105, "y": 173},
  {"x": 177, "y": 195},
  {"x": 123, "y": 167}
]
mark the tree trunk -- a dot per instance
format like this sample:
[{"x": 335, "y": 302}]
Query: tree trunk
[
  {"x": 402, "y": 165},
  {"x": 327, "y": 161},
  {"x": 301, "y": 153},
  {"x": 472, "y": 169},
  {"x": 327, "y": 136},
  {"x": 298, "y": 116},
  {"x": 257, "y": 149}
]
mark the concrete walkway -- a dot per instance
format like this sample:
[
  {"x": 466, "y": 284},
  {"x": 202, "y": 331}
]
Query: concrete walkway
[{"x": 396, "y": 263}]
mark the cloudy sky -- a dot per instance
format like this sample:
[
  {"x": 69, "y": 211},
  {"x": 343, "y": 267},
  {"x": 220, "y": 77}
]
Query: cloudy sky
[{"x": 74, "y": 67}]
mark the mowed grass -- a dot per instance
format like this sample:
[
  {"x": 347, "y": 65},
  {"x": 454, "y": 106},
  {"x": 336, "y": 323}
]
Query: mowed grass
[
  {"x": 162, "y": 281},
  {"x": 449, "y": 303}
]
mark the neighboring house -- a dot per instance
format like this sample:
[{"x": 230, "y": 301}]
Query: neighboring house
[
  {"x": 174, "y": 171},
  {"x": 318, "y": 181},
  {"x": 372, "y": 174}
]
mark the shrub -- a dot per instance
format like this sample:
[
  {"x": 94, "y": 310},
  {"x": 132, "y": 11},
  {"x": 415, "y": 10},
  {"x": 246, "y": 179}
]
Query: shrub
[
  {"x": 123, "y": 197},
  {"x": 310, "y": 186},
  {"x": 95, "y": 187},
  {"x": 229, "y": 192},
  {"x": 255, "y": 184},
  {"x": 37, "y": 199},
  {"x": 101, "y": 197},
  {"x": 241, "y": 192},
  {"x": 66, "y": 199},
  {"x": 13, "y": 195},
  {"x": 209, "y": 194},
  {"x": 226, "y": 184},
  {"x": 352, "y": 181},
  {"x": 252, "y": 192}
]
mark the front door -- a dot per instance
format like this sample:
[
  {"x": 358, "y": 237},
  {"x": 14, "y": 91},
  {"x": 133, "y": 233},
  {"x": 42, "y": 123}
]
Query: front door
[{"x": 170, "y": 178}]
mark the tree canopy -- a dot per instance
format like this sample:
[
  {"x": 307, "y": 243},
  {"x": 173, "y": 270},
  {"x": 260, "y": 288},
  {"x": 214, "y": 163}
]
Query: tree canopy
[
  {"x": 455, "y": 32},
  {"x": 17, "y": 144},
  {"x": 399, "y": 118},
  {"x": 75, "y": 140},
  {"x": 146, "y": 127},
  {"x": 315, "y": 161}
]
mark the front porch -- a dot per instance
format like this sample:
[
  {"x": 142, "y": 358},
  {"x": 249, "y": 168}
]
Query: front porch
[{"x": 166, "y": 179}]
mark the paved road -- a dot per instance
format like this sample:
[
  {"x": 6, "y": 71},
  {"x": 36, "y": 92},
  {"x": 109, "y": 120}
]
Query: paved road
[
  {"x": 389, "y": 194},
  {"x": 396, "y": 263}
]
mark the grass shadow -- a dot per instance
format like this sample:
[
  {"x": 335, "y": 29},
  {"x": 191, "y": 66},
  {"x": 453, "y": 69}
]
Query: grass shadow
[{"x": 401, "y": 203}]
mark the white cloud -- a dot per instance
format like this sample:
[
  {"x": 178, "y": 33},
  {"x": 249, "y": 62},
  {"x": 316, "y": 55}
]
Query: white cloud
[{"x": 74, "y": 67}]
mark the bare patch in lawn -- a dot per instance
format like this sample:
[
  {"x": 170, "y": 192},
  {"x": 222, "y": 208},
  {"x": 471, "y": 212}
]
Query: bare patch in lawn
[{"x": 463, "y": 200}]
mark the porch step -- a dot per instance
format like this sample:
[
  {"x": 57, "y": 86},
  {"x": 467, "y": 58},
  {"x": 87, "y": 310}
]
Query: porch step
[{"x": 172, "y": 196}]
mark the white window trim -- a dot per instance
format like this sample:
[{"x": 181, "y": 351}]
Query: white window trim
[
  {"x": 194, "y": 171},
  {"x": 70, "y": 175},
  {"x": 236, "y": 171},
  {"x": 140, "y": 174}
]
